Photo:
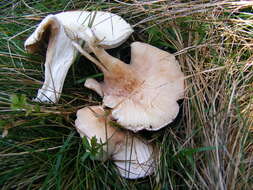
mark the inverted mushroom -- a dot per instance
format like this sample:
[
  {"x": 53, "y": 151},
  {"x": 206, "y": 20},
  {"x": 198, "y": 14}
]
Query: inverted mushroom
[
  {"x": 133, "y": 156},
  {"x": 109, "y": 28},
  {"x": 142, "y": 94}
]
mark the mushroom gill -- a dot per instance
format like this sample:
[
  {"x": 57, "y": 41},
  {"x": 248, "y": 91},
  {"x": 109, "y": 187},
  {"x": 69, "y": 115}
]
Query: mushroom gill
[
  {"x": 133, "y": 156},
  {"x": 142, "y": 94},
  {"x": 59, "y": 30}
]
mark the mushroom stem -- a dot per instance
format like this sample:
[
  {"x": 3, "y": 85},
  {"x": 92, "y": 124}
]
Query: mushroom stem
[
  {"x": 109, "y": 62},
  {"x": 105, "y": 58},
  {"x": 88, "y": 56}
]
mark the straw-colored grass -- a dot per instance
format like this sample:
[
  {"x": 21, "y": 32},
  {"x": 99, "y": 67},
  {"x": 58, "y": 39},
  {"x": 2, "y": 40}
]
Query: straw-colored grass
[{"x": 209, "y": 146}]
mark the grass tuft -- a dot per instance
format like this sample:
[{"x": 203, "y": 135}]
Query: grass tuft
[{"x": 209, "y": 146}]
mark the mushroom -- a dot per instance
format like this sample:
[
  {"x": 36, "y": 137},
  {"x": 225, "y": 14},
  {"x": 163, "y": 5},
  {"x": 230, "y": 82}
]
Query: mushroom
[
  {"x": 142, "y": 94},
  {"x": 133, "y": 156},
  {"x": 58, "y": 29}
]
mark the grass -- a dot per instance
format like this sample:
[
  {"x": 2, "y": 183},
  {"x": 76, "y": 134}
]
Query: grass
[{"x": 209, "y": 146}]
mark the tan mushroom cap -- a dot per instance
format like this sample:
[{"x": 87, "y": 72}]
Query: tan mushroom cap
[
  {"x": 151, "y": 87},
  {"x": 144, "y": 93},
  {"x": 109, "y": 28},
  {"x": 133, "y": 156}
]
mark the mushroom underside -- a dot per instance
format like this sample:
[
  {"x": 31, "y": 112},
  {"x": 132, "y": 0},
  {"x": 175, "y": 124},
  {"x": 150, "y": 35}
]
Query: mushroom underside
[
  {"x": 59, "y": 30},
  {"x": 133, "y": 156},
  {"x": 143, "y": 94}
]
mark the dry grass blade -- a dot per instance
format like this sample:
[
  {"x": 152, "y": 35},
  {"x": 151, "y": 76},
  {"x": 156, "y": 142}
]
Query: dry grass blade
[{"x": 209, "y": 146}]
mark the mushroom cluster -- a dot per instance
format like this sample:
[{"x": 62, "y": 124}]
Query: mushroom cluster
[{"x": 138, "y": 96}]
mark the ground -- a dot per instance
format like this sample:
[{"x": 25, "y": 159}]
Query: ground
[{"x": 208, "y": 146}]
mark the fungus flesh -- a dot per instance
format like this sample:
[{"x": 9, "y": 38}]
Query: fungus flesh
[
  {"x": 133, "y": 156},
  {"x": 144, "y": 93},
  {"x": 110, "y": 29}
]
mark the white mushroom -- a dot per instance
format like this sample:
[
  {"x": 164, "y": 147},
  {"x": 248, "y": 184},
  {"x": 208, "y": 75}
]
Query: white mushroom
[
  {"x": 133, "y": 156},
  {"x": 109, "y": 28},
  {"x": 144, "y": 93}
]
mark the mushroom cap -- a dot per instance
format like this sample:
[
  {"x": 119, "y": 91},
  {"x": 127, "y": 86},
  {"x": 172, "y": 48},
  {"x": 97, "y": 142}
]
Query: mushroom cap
[
  {"x": 59, "y": 56},
  {"x": 136, "y": 158},
  {"x": 149, "y": 101},
  {"x": 133, "y": 156},
  {"x": 110, "y": 29},
  {"x": 144, "y": 93},
  {"x": 92, "y": 122}
]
